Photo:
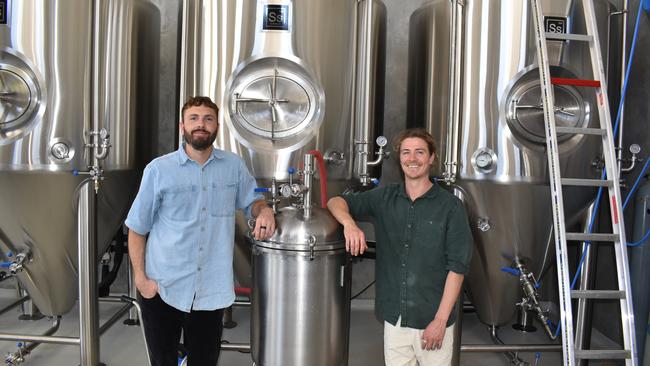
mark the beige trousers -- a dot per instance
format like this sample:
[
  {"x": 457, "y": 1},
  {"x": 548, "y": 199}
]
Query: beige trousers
[{"x": 403, "y": 347}]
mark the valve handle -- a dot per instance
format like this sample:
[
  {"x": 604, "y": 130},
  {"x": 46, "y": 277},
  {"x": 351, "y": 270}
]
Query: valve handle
[{"x": 510, "y": 270}]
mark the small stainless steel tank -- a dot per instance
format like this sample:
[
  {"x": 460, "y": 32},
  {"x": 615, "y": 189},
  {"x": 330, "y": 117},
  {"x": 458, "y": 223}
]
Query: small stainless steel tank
[{"x": 301, "y": 291}]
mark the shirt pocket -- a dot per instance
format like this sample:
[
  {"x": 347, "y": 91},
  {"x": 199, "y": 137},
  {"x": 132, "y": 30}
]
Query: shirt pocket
[
  {"x": 179, "y": 202},
  {"x": 432, "y": 234},
  {"x": 224, "y": 196}
]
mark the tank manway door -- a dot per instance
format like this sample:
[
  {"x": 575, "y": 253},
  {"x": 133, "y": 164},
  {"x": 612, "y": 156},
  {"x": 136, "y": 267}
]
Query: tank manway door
[
  {"x": 274, "y": 99},
  {"x": 18, "y": 102}
]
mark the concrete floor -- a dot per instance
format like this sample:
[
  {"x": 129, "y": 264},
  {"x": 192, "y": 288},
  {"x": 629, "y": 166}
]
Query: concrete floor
[{"x": 123, "y": 345}]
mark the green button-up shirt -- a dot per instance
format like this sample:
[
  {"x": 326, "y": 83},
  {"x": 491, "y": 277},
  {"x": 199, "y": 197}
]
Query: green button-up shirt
[{"x": 418, "y": 243}]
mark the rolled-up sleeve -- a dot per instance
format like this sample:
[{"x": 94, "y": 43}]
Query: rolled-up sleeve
[
  {"x": 146, "y": 203},
  {"x": 363, "y": 204},
  {"x": 246, "y": 194},
  {"x": 458, "y": 246}
]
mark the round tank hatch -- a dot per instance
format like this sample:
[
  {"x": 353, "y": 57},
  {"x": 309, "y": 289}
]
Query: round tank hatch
[
  {"x": 273, "y": 107},
  {"x": 20, "y": 99},
  {"x": 274, "y": 103},
  {"x": 525, "y": 112},
  {"x": 15, "y": 97}
]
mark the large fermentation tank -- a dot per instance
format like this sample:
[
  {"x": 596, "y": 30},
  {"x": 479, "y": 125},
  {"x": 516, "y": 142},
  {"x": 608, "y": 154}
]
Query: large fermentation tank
[
  {"x": 474, "y": 84},
  {"x": 289, "y": 77},
  {"x": 63, "y": 75},
  {"x": 301, "y": 292}
]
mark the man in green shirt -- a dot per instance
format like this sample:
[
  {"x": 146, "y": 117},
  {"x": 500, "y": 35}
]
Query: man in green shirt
[{"x": 424, "y": 246}]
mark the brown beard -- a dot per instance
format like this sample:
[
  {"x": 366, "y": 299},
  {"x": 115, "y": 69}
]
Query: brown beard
[{"x": 199, "y": 143}]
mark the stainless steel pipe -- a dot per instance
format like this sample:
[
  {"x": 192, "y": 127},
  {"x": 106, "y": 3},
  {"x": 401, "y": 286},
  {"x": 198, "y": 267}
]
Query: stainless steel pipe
[
  {"x": 510, "y": 348},
  {"x": 87, "y": 249},
  {"x": 241, "y": 347},
  {"x": 39, "y": 338}
]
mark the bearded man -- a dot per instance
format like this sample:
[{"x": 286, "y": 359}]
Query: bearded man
[{"x": 181, "y": 237}]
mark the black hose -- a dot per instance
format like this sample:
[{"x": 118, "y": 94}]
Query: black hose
[{"x": 119, "y": 248}]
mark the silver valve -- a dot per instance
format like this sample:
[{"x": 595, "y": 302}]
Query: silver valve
[
  {"x": 635, "y": 149},
  {"x": 100, "y": 147},
  {"x": 364, "y": 163},
  {"x": 381, "y": 141},
  {"x": 291, "y": 189},
  {"x": 17, "y": 265}
]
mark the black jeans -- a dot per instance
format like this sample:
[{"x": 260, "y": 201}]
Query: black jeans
[{"x": 162, "y": 327}]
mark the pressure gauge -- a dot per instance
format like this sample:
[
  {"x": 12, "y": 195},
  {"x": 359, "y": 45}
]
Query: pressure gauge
[
  {"x": 635, "y": 148},
  {"x": 382, "y": 141},
  {"x": 484, "y": 160}
]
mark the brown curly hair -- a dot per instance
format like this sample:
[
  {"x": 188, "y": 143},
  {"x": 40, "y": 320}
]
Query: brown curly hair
[
  {"x": 415, "y": 132},
  {"x": 199, "y": 101}
]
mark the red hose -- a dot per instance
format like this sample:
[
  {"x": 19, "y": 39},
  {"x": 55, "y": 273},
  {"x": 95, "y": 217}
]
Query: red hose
[{"x": 323, "y": 177}]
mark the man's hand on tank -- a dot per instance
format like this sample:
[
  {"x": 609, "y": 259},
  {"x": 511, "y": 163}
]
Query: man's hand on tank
[
  {"x": 355, "y": 239},
  {"x": 264, "y": 224}
]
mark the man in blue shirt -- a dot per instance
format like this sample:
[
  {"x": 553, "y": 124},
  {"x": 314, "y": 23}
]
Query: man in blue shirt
[{"x": 181, "y": 235}]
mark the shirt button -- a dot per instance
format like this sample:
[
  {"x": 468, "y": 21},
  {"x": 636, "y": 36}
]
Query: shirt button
[
  {"x": 403, "y": 264},
  {"x": 406, "y": 245},
  {"x": 198, "y": 269},
  {"x": 409, "y": 226},
  {"x": 202, "y": 228},
  {"x": 203, "y": 208},
  {"x": 205, "y": 188},
  {"x": 403, "y": 283}
]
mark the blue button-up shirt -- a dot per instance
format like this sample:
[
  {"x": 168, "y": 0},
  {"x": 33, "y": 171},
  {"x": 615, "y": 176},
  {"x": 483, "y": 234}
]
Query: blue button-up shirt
[{"x": 188, "y": 210}]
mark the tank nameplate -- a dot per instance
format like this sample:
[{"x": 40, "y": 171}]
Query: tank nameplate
[
  {"x": 555, "y": 24},
  {"x": 276, "y": 17}
]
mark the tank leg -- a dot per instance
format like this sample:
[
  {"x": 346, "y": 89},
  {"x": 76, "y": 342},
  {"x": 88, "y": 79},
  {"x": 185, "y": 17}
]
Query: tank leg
[
  {"x": 228, "y": 323},
  {"x": 28, "y": 309},
  {"x": 133, "y": 293}
]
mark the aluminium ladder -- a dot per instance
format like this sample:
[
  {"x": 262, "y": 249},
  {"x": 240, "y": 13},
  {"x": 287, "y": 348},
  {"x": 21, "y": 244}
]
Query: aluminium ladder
[{"x": 623, "y": 294}]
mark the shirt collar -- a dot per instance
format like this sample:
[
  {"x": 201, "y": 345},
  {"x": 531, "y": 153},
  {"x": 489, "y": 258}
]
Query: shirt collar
[
  {"x": 431, "y": 193},
  {"x": 183, "y": 158}
]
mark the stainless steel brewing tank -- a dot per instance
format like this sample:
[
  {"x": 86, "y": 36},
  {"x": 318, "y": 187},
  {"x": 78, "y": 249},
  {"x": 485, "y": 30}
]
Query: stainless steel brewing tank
[
  {"x": 46, "y": 114},
  {"x": 301, "y": 292},
  {"x": 476, "y": 88},
  {"x": 288, "y": 77}
]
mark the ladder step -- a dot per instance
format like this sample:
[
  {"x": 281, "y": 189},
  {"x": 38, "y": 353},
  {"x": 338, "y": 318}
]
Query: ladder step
[
  {"x": 597, "y": 294},
  {"x": 575, "y": 82},
  {"x": 592, "y": 237},
  {"x": 582, "y": 131},
  {"x": 569, "y": 37},
  {"x": 606, "y": 354},
  {"x": 586, "y": 182}
]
